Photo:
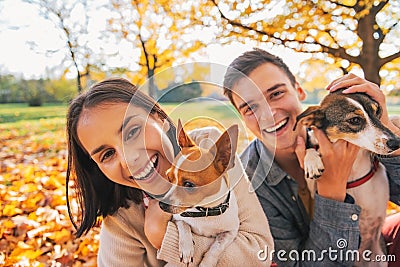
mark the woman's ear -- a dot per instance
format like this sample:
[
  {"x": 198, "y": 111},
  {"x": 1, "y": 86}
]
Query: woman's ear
[{"x": 166, "y": 125}]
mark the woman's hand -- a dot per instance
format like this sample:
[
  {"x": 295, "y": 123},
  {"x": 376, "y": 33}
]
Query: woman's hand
[
  {"x": 155, "y": 223},
  {"x": 338, "y": 159}
]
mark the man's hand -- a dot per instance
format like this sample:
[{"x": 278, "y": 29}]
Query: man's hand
[{"x": 338, "y": 159}]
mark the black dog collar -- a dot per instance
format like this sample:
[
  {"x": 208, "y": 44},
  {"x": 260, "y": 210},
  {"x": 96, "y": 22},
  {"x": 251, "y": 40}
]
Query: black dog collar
[{"x": 205, "y": 212}]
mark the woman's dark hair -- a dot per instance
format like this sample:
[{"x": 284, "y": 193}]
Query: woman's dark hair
[
  {"x": 243, "y": 65},
  {"x": 95, "y": 193}
]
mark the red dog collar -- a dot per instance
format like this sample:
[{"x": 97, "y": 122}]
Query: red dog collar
[{"x": 365, "y": 178}]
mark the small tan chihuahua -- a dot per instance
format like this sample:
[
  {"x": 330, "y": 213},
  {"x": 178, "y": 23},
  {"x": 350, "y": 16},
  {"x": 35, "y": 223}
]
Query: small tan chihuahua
[
  {"x": 356, "y": 119},
  {"x": 200, "y": 198}
]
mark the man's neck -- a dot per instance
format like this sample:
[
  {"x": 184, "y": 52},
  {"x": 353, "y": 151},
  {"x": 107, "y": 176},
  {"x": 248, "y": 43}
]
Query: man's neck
[{"x": 288, "y": 162}]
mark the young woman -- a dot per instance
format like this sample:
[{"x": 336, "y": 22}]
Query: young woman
[{"x": 120, "y": 144}]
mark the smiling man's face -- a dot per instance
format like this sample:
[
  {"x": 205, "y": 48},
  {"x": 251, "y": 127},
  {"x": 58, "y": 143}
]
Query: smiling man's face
[{"x": 269, "y": 104}]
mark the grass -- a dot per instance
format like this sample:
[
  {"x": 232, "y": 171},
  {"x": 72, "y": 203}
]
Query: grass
[
  {"x": 10, "y": 113},
  {"x": 214, "y": 113}
]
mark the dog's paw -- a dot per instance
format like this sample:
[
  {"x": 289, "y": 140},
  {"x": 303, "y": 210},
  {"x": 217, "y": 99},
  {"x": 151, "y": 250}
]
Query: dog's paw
[
  {"x": 186, "y": 250},
  {"x": 313, "y": 166}
]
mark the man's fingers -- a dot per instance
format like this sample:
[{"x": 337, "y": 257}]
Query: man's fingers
[
  {"x": 344, "y": 82},
  {"x": 323, "y": 141},
  {"x": 300, "y": 151}
]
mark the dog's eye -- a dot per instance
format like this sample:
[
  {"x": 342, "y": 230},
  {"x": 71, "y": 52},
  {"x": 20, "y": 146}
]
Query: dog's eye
[
  {"x": 189, "y": 185},
  {"x": 355, "y": 121}
]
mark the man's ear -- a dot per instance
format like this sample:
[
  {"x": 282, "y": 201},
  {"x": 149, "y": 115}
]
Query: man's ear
[
  {"x": 311, "y": 116},
  {"x": 183, "y": 139},
  {"x": 300, "y": 92},
  {"x": 225, "y": 149}
]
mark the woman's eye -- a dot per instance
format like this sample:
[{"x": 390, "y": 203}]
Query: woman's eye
[
  {"x": 106, "y": 155},
  {"x": 131, "y": 133}
]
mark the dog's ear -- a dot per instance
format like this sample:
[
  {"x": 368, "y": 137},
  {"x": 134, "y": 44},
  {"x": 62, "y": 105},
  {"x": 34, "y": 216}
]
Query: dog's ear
[
  {"x": 183, "y": 139},
  {"x": 225, "y": 149},
  {"x": 311, "y": 116}
]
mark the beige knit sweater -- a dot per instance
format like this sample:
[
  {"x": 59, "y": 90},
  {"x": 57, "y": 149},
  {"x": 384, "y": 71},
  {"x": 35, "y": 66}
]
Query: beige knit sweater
[{"x": 123, "y": 242}]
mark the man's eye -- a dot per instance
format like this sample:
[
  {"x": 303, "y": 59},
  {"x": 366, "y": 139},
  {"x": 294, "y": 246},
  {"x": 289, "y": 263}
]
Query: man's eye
[
  {"x": 106, "y": 155},
  {"x": 276, "y": 94},
  {"x": 249, "y": 110}
]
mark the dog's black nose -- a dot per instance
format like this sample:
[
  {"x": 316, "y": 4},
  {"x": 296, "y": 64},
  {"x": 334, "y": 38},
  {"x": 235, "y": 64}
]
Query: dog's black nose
[{"x": 393, "y": 144}]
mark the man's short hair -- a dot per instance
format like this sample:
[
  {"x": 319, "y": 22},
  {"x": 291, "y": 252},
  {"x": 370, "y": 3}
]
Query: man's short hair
[{"x": 243, "y": 65}]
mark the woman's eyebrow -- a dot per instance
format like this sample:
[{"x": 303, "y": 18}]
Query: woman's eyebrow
[
  {"x": 126, "y": 121},
  {"x": 97, "y": 150},
  {"x": 100, "y": 148}
]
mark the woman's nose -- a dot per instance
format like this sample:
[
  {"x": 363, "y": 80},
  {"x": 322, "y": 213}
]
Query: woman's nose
[{"x": 128, "y": 157}]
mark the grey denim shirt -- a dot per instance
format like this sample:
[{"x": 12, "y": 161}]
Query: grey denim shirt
[{"x": 300, "y": 241}]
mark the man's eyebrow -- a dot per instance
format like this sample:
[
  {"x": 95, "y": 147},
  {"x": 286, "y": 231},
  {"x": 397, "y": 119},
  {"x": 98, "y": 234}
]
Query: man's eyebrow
[
  {"x": 272, "y": 88},
  {"x": 245, "y": 104},
  {"x": 126, "y": 121}
]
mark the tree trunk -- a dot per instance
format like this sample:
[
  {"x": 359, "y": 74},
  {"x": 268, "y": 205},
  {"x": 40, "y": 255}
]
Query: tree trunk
[
  {"x": 152, "y": 86},
  {"x": 369, "y": 59},
  {"x": 79, "y": 82}
]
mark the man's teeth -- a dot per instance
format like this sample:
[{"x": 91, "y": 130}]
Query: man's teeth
[
  {"x": 148, "y": 170},
  {"x": 276, "y": 127}
]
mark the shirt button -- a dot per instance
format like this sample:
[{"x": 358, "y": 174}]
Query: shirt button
[
  {"x": 354, "y": 217},
  {"x": 294, "y": 198}
]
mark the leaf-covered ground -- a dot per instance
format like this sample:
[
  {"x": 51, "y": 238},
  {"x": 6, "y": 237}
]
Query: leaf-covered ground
[{"x": 35, "y": 227}]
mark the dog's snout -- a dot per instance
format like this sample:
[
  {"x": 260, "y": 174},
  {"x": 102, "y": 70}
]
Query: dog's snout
[{"x": 393, "y": 144}]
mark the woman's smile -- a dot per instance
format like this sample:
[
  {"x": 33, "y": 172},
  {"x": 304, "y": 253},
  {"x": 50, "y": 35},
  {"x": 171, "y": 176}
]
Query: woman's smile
[{"x": 147, "y": 170}]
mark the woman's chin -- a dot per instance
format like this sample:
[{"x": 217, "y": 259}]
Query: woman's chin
[{"x": 155, "y": 184}]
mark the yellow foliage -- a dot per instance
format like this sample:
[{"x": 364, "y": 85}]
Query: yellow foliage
[
  {"x": 61, "y": 237},
  {"x": 33, "y": 217},
  {"x": 10, "y": 210}
]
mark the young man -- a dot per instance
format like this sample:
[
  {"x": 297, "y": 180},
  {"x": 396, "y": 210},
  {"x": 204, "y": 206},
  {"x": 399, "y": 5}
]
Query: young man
[{"x": 268, "y": 98}]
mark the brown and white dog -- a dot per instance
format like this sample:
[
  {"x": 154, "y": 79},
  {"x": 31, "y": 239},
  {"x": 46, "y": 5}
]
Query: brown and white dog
[
  {"x": 200, "y": 197},
  {"x": 356, "y": 119}
]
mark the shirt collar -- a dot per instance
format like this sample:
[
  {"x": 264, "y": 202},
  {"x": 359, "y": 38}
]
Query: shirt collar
[{"x": 267, "y": 169}]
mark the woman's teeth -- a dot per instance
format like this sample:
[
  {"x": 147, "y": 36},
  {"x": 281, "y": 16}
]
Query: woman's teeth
[
  {"x": 276, "y": 127},
  {"x": 148, "y": 170}
]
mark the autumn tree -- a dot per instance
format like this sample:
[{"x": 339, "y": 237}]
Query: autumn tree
[
  {"x": 353, "y": 32},
  {"x": 71, "y": 17},
  {"x": 162, "y": 32}
]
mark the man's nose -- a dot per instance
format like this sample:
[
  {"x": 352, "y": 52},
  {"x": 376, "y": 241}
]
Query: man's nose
[{"x": 266, "y": 113}]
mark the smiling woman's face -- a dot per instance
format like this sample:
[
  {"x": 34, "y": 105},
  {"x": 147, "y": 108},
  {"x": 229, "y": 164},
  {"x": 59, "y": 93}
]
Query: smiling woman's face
[{"x": 129, "y": 145}]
